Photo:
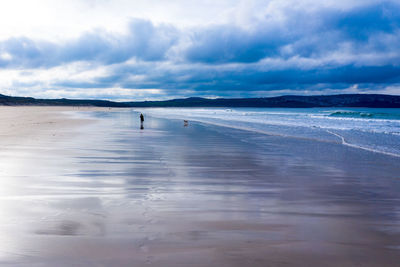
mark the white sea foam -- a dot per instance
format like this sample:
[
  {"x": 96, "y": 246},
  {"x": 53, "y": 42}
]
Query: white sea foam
[{"x": 375, "y": 130}]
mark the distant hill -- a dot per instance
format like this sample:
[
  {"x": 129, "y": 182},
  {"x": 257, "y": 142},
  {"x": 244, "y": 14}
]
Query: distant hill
[
  {"x": 289, "y": 101},
  {"x": 29, "y": 101}
]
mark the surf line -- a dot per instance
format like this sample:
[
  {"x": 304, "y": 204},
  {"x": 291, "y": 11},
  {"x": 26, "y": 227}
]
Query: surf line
[{"x": 361, "y": 147}]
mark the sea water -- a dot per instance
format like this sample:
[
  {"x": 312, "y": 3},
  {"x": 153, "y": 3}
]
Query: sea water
[{"x": 373, "y": 129}]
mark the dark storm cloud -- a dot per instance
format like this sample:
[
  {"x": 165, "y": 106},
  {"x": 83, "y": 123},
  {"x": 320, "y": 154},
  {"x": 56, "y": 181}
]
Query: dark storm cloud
[
  {"x": 312, "y": 34},
  {"x": 227, "y": 43},
  {"x": 225, "y": 80},
  {"x": 361, "y": 23}
]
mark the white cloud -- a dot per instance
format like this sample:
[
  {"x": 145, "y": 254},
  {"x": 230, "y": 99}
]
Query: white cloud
[
  {"x": 57, "y": 20},
  {"x": 67, "y": 48}
]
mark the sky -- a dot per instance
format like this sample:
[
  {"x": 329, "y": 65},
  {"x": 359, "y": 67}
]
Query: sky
[{"x": 156, "y": 49}]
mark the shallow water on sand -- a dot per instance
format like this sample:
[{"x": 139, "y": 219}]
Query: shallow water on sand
[
  {"x": 202, "y": 195},
  {"x": 373, "y": 129}
]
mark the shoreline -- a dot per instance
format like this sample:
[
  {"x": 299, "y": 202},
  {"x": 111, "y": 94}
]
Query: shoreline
[
  {"x": 54, "y": 109},
  {"x": 340, "y": 139}
]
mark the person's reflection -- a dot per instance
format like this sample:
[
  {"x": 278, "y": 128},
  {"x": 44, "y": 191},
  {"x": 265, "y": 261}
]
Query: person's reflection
[{"x": 141, "y": 121}]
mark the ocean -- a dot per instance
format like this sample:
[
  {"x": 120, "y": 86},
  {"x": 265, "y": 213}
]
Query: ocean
[{"x": 376, "y": 130}]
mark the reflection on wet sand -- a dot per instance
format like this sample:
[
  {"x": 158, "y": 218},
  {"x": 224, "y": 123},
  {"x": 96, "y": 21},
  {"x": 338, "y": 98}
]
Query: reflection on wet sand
[{"x": 200, "y": 195}]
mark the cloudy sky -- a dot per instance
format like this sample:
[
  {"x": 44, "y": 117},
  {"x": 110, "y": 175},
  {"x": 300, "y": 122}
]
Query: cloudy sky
[{"x": 156, "y": 49}]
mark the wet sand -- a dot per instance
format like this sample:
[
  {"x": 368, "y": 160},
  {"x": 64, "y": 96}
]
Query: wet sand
[{"x": 89, "y": 188}]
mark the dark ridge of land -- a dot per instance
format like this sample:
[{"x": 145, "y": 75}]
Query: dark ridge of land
[
  {"x": 288, "y": 101},
  {"x": 30, "y": 101}
]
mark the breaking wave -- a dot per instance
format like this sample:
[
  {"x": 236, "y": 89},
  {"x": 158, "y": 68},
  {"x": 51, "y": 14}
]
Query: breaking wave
[{"x": 366, "y": 115}]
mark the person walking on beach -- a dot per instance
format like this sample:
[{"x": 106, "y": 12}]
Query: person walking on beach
[{"x": 141, "y": 121}]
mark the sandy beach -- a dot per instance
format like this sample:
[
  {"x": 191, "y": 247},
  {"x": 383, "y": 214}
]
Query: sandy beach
[
  {"x": 26, "y": 124},
  {"x": 87, "y": 187}
]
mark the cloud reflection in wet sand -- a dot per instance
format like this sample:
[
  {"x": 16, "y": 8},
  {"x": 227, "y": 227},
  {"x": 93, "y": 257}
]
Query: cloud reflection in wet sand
[{"x": 169, "y": 195}]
